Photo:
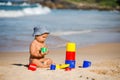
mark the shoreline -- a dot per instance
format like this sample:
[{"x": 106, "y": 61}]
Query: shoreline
[
  {"x": 61, "y": 47},
  {"x": 82, "y": 48}
]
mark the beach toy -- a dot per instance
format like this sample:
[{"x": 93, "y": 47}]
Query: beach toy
[
  {"x": 43, "y": 49},
  {"x": 86, "y": 64},
  {"x": 70, "y": 54},
  {"x": 52, "y": 67},
  {"x": 62, "y": 66},
  {"x": 71, "y": 63},
  {"x": 57, "y": 66},
  {"x": 71, "y": 46},
  {"x": 32, "y": 67},
  {"x": 67, "y": 69}
]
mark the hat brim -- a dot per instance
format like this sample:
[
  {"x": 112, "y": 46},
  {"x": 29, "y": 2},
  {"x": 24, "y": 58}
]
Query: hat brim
[{"x": 38, "y": 33}]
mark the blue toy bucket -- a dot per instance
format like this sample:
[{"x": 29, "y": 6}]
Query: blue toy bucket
[
  {"x": 86, "y": 64},
  {"x": 71, "y": 62}
]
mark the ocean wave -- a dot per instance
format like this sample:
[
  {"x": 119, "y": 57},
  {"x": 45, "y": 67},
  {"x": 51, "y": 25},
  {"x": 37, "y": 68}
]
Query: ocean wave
[
  {"x": 6, "y": 3},
  {"x": 9, "y": 10},
  {"x": 10, "y": 4},
  {"x": 62, "y": 33}
]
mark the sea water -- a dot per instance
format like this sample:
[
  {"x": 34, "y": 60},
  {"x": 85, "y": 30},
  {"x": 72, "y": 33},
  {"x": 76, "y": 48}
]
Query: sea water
[{"x": 84, "y": 27}]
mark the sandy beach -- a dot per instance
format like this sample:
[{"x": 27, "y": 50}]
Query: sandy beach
[
  {"x": 105, "y": 60},
  {"x": 95, "y": 32}
]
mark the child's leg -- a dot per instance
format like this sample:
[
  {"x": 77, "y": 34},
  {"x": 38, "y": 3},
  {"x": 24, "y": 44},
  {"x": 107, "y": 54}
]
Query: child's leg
[
  {"x": 39, "y": 63},
  {"x": 42, "y": 63},
  {"x": 47, "y": 61}
]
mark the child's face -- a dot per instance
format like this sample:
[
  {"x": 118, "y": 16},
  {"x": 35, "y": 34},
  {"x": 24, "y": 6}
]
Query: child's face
[{"x": 41, "y": 38}]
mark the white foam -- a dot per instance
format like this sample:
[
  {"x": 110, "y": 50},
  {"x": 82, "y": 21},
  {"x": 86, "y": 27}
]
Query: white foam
[
  {"x": 4, "y": 13},
  {"x": 10, "y": 4},
  {"x": 6, "y": 3},
  {"x": 25, "y": 4},
  {"x": 38, "y": 10},
  {"x": 61, "y": 33}
]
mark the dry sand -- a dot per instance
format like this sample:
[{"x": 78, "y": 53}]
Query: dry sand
[{"x": 105, "y": 60}]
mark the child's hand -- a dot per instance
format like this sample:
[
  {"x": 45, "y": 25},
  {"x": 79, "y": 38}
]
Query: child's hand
[{"x": 44, "y": 51}]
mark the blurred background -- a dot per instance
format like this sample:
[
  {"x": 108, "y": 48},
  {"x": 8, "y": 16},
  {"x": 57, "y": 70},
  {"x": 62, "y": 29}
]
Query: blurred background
[{"x": 86, "y": 22}]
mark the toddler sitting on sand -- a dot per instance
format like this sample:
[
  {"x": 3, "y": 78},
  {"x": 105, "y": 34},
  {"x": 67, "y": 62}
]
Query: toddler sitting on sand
[{"x": 36, "y": 55}]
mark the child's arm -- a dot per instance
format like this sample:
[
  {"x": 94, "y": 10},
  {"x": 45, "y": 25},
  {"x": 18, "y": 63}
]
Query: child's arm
[{"x": 34, "y": 52}]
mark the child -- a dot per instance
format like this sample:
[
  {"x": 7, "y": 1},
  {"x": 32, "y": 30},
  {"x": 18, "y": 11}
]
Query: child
[{"x": 36, "y": 55}]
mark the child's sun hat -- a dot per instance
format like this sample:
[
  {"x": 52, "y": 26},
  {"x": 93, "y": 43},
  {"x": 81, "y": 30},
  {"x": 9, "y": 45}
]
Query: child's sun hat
[{"x": 40, "y": 31}]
